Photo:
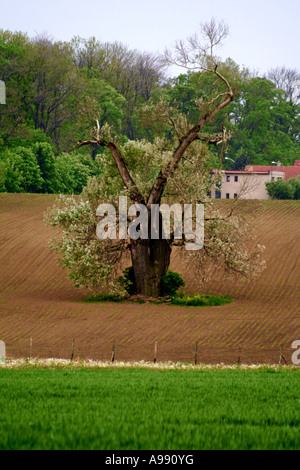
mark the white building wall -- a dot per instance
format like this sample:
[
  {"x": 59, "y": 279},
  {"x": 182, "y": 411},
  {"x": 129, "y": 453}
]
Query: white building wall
[{"x": 245, "y": 185}]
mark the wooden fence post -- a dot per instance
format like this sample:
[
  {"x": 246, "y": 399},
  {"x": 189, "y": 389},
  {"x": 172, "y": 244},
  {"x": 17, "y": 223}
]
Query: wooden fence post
[
  {"x": 113, "y": 352},
  {"x": 196, "y": 353},
  {"x": 155, "y": 352},
  {"x": 281, "y": 356},
  {"x": 72, "y": 353},
  {"x": 239, "y": 356}
]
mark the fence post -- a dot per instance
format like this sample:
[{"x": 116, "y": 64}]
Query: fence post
[
  {"x": 72, "y": 353},
  {"x": 239, "y": 356},
  {"x": 281, "y": 356},
  {"x": 113, "y": 352},
  {"x": 155, "y": 352},
  {"x": 196, "y": 353}
]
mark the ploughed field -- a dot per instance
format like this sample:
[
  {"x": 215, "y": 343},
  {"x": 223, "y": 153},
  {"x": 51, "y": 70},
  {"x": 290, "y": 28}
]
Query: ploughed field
[{"x": 42, "y": 315}]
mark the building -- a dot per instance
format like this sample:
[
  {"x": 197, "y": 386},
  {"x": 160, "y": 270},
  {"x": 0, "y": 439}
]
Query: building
[{"x": 250, "y": 183}]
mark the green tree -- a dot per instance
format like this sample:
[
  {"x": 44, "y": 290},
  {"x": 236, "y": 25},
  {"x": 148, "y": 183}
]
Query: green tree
[
  {"x": 134, "y": 75},
  {"x": 44, "y": 87},
  {"x": 54, "y": 86},
  {"x": 3, "y": 172},
  {"x": 22, "y": 172},
  {"x": 46, "y": 160},
  {"x": 280, "y": 189},
  {"x": 100, "y": 100},
  {"x": 13, "y": 47},
  {"x": 265, "y": 125},
  {"x": 71, "y": 173}
]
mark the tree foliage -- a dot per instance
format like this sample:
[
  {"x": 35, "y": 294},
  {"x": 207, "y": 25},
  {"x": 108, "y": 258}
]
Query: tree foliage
[
  {"x": 154, "y": 139},
  {"x": 172, "y": 166},
  {"x": 21, "y": 172},
  {"x": 55, "y": 90},
  {"x": 265, "y": 126},
  {"x": 281, "y": 189}
]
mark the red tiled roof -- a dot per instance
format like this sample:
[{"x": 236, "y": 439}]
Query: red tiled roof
[
  {"x": 289, "y": 171},
  {"x": 239, "y": 172},
  {"x": 265, "y": 168}
]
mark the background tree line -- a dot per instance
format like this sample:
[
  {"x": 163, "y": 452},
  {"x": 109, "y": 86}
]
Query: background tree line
[{"x": 56, "y": 91}]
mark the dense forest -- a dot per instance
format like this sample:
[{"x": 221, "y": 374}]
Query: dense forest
[{"x": 57, "y": 91}]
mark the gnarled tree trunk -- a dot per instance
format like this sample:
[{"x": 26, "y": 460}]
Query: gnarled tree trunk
[{"x": 150, "y": 261}]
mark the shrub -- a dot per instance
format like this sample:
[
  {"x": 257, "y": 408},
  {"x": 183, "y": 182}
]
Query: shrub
[
  {"x": 284, "y": 189},
  {"x": 295, "y": 184},
  {"x": 171, "y": 282},
  {"x": 127, "y": 281},
  {"x": 200, "y": 300}
]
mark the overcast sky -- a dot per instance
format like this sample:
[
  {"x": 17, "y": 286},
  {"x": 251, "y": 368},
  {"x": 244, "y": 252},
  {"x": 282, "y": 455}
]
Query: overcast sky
[{"x": 263, "y": 33}]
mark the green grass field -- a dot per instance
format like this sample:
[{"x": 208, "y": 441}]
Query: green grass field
[{"x": 143, "y": 409}]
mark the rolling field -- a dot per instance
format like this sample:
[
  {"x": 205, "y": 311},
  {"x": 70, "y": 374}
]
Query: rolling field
[{"x": 43, "y": 315}]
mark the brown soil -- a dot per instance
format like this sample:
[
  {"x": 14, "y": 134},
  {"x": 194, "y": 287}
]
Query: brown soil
[{"x": 42, "y": 314}]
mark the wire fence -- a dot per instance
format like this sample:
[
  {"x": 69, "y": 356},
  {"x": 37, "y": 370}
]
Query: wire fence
[{"x": 155, "y": 352}]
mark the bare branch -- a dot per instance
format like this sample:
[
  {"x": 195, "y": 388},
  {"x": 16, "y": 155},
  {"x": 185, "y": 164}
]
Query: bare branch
[
  {"x": 162, "y": 178},
  {"x": 194, "y": 55},
  {"x": 81, "y": 143},
  {"x": 197, "y": 53},
  {"x": 215, "y": 32},
  {"x": 133, "y": 191},
  {"x": 216, "y": 139}
]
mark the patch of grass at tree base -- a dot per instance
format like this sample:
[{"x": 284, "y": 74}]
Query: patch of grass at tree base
[
  {"x": 103, "y": 298},
  {"x": 200, "y": 300},
  {"x": 182, "y": 299}
]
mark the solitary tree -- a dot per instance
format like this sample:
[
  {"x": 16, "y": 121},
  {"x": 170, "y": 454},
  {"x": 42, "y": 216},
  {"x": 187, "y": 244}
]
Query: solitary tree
[{"x": 176, "y": 167}]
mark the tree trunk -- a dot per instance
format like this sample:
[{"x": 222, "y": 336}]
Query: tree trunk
[{"x": 150, "y": 261}]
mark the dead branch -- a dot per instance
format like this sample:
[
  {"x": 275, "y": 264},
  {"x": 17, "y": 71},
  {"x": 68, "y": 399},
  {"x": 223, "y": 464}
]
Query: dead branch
[{"x": 133, "y": 191}]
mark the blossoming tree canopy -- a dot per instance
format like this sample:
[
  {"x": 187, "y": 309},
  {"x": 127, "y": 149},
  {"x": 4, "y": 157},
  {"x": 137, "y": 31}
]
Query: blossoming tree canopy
[{"x": 175, "y": 166}]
